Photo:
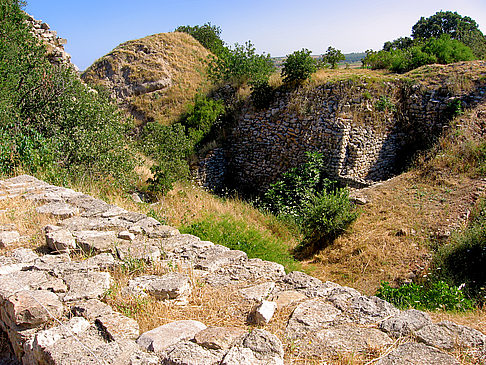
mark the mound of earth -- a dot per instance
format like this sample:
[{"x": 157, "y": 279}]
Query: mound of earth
[{"x": 152, "y": 77}]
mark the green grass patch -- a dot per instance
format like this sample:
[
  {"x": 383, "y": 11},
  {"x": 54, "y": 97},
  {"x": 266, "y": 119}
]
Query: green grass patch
[
  {"x": 436, "y": 295},
  {"x": 238, "y": 235}
]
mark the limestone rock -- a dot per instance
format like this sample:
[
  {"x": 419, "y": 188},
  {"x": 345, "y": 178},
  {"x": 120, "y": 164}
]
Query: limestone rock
[
  {"x": 188, "y": 353},
  {"x": 405, "y": 323},
  {"x": 218, "y": 256},
  {"x": 30, "y": 308},
  {"x": 60, "y": 240},
  {"x": 447, "y": 335},
  {"x": 139, "y": 251},
  {"x": 163, "y": 231},
  {"x": 417, "y": 354},
  {"x": 258, "y": 292},
  {"x": 144, "y": 358},
  {"x": 171, "y": 243},
  {"x": 24, "y": 255},
  {"x": 369, "y": 310},
  {"x": 311, "y": 315},
  {"x": 287, "y": 297},
  {"x": 162, "y": 337},
  {"x": 96, "y": 241},
  {"x": 219, "y": 338},
  {"x": 90, "y": 285},
  {"x": 126, "y": 235},
  {"x": 265, "y": 346},
  {"x": 349, "y": 338},
  {"x": 168, "y": 286},
  {"x": 240, "y": 356},
  {"x": 90, "y": 309},
  {"x": 9, "y": 237},
  {"x": 117, "y": 327},
  {"x": 22, "y": 280},
  {"x": 58, "y": 209},
  {"x": 103, "y": 261},
  {"x": 263, "y": 313}
]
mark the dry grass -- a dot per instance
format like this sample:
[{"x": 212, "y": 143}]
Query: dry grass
[
  {"x": 390, "y": 240},
  {"x": 174, "y": 56},
  {"x": 20, "y": 214}
]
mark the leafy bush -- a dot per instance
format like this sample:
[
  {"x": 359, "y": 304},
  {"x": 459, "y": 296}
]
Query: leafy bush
[
  {"x": 291, "y": 193},
  {"x": 448, "y": 50},
  {"x": 462, "y": 261},
  {"x": 201, "y": 117},
  {"x": 434, "y": 296},
  {"x": 240, "y": 65},
  {"x": 326, "y": 216},
  {"x": 208, "y": 35},
  {"x": 298, "y": 67},
  {"x": 384, "y": 104},
  {"x": 49, "y": 120},
  {"x": 169, "y": 147},
  {"x": 238, "y": 235},
  {"x": 262, "y": 94}
]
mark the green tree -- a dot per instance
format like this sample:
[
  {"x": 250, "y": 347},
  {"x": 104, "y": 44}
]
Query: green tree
[
  {"x": 49, "y": 119},
  {"x": 333, "y": 56},
  {"x": 399, "y": 43},
  {"x": 298, "y": 67},
  {"x": 208, "y": 35},
  {"x": 240, "y": 65},
  {"x": 461, "y": 28}
]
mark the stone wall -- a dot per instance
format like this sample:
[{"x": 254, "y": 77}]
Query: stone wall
[
  {"x": 366, "y": 134},
  {"x": 52, "y": 313},
  {"x": 54, "y": 44}
]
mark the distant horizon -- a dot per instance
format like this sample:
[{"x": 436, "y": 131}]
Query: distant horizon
[{"x": 278, "y": 28}]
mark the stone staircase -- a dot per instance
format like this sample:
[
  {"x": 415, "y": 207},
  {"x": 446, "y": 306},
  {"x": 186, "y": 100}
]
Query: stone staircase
[{"x": 51, "y": 310}]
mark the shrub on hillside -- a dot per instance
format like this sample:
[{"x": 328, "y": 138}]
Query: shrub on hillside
[
  {"x": 333, "y": 56},
  {"x": 431, "y": 296},
  {"x": 50, "y": 120},
  {"x": 462, "y": 261},
  {"x": 326, "y": 216},
  {"x": 298, "y": 67},
  {"x": 240, "y": 65},
  {"x": 208, "y": 35},
  {"x": 262, "y": 94},
  {"x": 202, "y": 116}
]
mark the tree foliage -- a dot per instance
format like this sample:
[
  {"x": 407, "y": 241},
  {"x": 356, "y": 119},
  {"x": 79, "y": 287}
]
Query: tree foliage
[
  {"x": 298, "y": 67},
  {"x": 333, "y": 56},
  {"x": 240, "y": 64},
  {"x": 50, "y": 120},
  {"x": 207, "y": 34},
  {"x": 461, "y": 28}
]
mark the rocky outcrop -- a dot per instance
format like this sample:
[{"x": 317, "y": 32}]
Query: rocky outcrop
[
  {"x": 51, "y": 309},
  {"x": 149, "y": 74}
]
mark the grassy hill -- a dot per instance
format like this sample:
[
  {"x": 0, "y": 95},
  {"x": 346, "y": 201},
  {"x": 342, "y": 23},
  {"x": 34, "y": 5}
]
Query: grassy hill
[{"x": 153, "y": 77}]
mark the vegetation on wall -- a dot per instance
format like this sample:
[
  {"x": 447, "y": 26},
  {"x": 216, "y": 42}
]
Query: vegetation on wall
[
  {"x": 207, "y": 34},
  {"x": 298, "y": 67},
  {"x": 49, "y": 120}
]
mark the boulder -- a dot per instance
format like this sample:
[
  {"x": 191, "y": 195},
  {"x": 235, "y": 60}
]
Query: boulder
[
  {"x": 58, "y": 209},
  {"x": 117, "y": 327},
  {"x": 263, "y": 313},
  {"x": 160, "y": 338},
  {"x": 447, "y": 335},
  {"x": 258, "y": 292},
  {"x": 59, "y": 239},
  {"x": 417, "y": 354},
  {"x": 90, "y": 309},
  {"x": 219, "y": 338},
  {"x": 405, "y": 323},
  {"x": 189, "y": 353},
  {"x": 86, "y": 285},
  {"x": 168, "y": 286},
  {"x": 9, "y": 237}
]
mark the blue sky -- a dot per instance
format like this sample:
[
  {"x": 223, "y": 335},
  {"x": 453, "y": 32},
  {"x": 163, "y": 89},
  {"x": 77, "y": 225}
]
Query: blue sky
[{"x": 94, "y": 28}]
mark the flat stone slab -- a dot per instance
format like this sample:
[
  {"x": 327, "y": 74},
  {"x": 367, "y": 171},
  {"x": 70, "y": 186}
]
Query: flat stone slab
[
  {"x": 348, "y": 338},
  {"x": 22, "y": 280},
  {"x": 58, "y": 209},
  {"x": 417, "y": 354},
  {"x": 287, "y": 297},
  {"x": 31, "y": 308},
  {"x": 118, "y": 327},
  {"x": 96, "y": 241},
  {"x": 140, "y": 251},
  {"x": 189, "y": 353},
  {"x": 59, "y": 239},
  {"x": 171, "y": 243},
  {"x": 9, "y": 237},
  {"x": 89, "y": 285},
  {"x": 405, "y": 323},
  {"x": 263, "y": 313},
  {"x": 258, "y": 292},
  {"x": 90, "y": 309},
  {"x": 218, "y": 256},
  {"x": 160, "y": 338},
  {"x": 311, "y": 316},
  {"x": 447, "y": 335},
  {"x": 168, "y": 286},
  {"x": 219, "y": 338},
  {"x": 370, "y": 310},
  {"x": 252, "y": 270}
]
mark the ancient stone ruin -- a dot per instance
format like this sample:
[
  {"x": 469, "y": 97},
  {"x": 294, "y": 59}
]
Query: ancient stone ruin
[{"x": 52, "y": 312}]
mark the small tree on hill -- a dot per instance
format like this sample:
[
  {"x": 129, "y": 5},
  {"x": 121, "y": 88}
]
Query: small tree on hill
[
  {"x": 208, "y": 35},
  {"x": 333, "y": 56},
  {"x": 298, "y": 67}
]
